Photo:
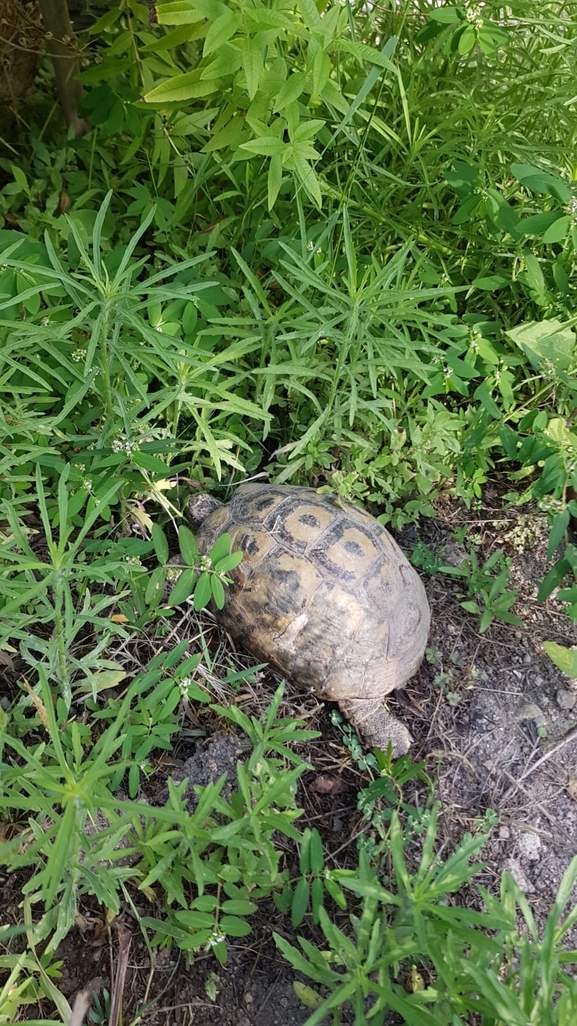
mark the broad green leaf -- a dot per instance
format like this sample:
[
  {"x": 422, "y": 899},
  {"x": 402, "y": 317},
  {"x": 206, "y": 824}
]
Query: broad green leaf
[
  {"x": 228, "y": 137},
  {"x": 229, "y": 562},
  {"x": 467, "y": 40},
  {"x": 145, "y": 461},
  {"x": 102, "y": 680},
  {"x": 549, "y": 340},
  {"x": 183, "y": 587},
  {"x": 265, "y": 145},
  {"x": 564, "y": 658},
  {"x": 290, "y": 91},
  {"x": 160, "y": 543},
  {"x": 557, "y": 231},
  {"x": 188, "y": 545},
  {"x": 252, "y": 65},
  {"x": 221, "y": 548},
  {"x": 181, "y": 88},
  {"x": 217, "y": 589},
  {"x": 446, "y": 15},
  {"x": 558, "y": 528},
  {"x": 221, "y": 30},
  {"x": 307, "y": 176},
  {"x": 178, "y": 13},
  {"x": 363, "y": 53},
  {"x": 155, "y": 587},
  {"x": 202, "y": 592},
  {"x": 541, "y": 181},
  {"x": 234, "y": 927},
  {"x": 239, "y": 907},
  {"x": 552, "y": 579},
  {"x": 300, "y": 901},
  {"x": 274, "y": 180},
  {"x": 194, "y": 920},
  {"x": 307, "y": 995}
]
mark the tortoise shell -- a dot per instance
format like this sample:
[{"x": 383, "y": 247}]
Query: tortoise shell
[{"x": 324, "y": 594}]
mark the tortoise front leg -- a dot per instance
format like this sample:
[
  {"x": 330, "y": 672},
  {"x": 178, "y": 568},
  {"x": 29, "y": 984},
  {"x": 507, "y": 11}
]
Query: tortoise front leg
[{"x": 376, "y": 725}]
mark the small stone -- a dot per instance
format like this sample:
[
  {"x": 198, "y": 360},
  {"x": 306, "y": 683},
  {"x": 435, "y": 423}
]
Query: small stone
[
  {"x": 566, "y": 699},
  {"x": 530, "y": 711},
  {"x": 504, "y": 833},
  {"x": 512, "y": 866},
  {"x": 530, "y": 846},
  {"x": 527, "y": 659}
]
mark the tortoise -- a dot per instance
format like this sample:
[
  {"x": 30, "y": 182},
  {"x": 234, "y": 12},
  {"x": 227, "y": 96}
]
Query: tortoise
[{"x": 324, "y": 594}]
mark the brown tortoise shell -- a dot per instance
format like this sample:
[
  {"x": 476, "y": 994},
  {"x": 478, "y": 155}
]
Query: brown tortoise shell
[{"x": 325, "y": 595}]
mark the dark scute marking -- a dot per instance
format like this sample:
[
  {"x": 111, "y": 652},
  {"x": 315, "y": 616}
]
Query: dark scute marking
[
  {"x": 309, "y": 519},
  {"x": 353, "y": 548},
  {"x": 249, "y": 544},
  {"x": 284, "y": 596},
  {"x": 265, "y": 502}
]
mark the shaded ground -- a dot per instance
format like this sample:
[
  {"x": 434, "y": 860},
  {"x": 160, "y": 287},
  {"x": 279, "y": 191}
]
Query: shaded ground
[{"x": 492, "y": 717}]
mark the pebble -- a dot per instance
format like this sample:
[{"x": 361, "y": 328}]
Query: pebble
[
  {"x": 530, "y": 845},
  {"x": 512, "y": 866},
  {"x": 566, "y": 699},
  {"x": 504, "y": 833},
  {"x": 530, "y": 711},
  {"x": 527, "y": 659}
]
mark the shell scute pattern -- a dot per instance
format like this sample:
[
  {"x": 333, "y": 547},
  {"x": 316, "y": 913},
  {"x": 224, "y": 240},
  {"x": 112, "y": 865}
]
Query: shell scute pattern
[{"x": 326, "y": 596}]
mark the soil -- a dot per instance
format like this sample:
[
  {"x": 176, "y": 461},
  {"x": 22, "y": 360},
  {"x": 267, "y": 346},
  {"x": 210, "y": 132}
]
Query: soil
[{"x": 493, "y": 719}]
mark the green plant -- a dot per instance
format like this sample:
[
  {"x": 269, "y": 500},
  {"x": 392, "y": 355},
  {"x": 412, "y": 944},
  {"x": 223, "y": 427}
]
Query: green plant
[
  {"x": 487, "y": 587},
  {"x": 225, "y": 851},
  {"x": 475, "y": 963}
]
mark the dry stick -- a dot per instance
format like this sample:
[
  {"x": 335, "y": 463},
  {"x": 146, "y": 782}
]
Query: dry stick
[
  {"x": 62, "y": 50},
  {"x": 571, "y": 735},
  {"x": 80, "y": 1007},
  {"x": 124, "y": 942}
]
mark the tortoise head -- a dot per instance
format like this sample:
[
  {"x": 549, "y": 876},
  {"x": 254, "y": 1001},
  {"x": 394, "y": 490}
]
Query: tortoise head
[{"x": 200, "y": 507}]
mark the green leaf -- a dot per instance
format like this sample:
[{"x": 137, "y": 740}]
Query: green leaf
[
  {"x": 550, "y": 340},
  {"x": 178, "y": 13},
  {"x": 265, "y": 146},
  {"x": 363, "y": 53},
  {"x": 446, "y": 15},
  {"x": 221, "y": 548},
  {"x": 300, "y": 901},
  {"x": 564, "y": 658},
  {"x": 491, "y": 282},
  {"x": 316, "y": 853},
  {"x": 559, "y": 526},
  {"x": 187, "y": 545},
  {"x": 160, "y": 543},
  {"x": 183, "y": 588},
  {"x": 194, "y": 920},
  {"x": 308, "y": 177},
  {"x": 155, "y": 587},
  {"x": 274, "y": 180},
  {"x": 239, "y": 907},
  {"x": 234, "y": 927},
  {"x": 217, "y": 589},
  {"x": 541, "y": 181},
  {"x": 552, "y": 579},
  {"x": 229, "y": 562},
  {"x": 557, "y": 232},
  {"x": 252, "y": 65},
  {"x": 151, "y": 463},
  {"x": 290, "y": 91},
  {"x": 202, "y": 592},
  {"x": 307, "y": 995},
  {"x": 181, "y": 88},
  {"x": 467, "y": 40},
  {"x": 221, "y": 30}
]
